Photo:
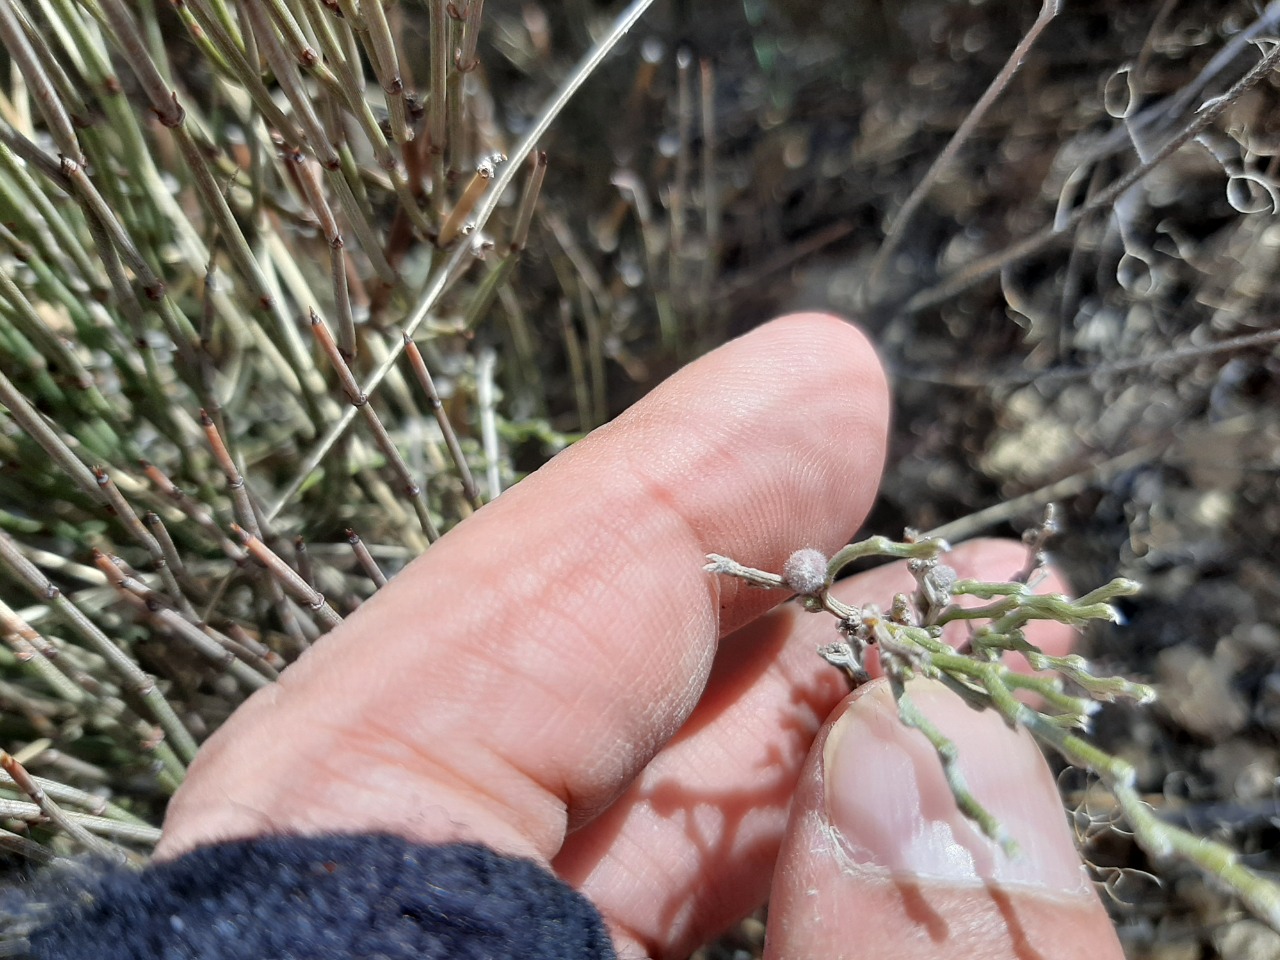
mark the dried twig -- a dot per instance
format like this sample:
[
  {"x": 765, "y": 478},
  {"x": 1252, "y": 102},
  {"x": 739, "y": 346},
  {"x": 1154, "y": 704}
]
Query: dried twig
[{"x": 988, "y": 266}]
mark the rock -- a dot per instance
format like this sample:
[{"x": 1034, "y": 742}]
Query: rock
[
  {"x": 1248, "y": 938},
  {"x": 1197, "y": 691}
]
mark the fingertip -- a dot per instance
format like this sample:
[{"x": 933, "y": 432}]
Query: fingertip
[
  {"x": 835, "y": 336},
  {"x": 877, "y": 849},
  {"x": 887, "y": 800},
  {"x": 825, "y": 350},
  {"x": 788, "y": 426},
  {"x": 823, "y": 323}
]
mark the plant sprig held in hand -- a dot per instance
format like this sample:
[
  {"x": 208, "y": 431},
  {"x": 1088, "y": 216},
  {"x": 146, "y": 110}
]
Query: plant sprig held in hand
[{"x": 1065, "y": 693}]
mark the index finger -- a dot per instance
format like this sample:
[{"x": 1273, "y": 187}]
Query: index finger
[{"x": 514, "y": 679}]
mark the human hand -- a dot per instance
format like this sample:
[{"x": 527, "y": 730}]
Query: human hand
[{"x": 557, "y": 678}]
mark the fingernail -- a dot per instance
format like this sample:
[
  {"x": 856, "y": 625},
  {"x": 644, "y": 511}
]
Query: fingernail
[{"x": 891, "y": 810}]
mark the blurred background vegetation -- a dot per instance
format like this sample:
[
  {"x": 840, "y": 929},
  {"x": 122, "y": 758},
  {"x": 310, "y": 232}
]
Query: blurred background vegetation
[{"x": 265, "y": 332}]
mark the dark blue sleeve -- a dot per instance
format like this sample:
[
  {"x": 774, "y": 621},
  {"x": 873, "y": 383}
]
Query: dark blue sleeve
[{"x": 373, "y": 897}]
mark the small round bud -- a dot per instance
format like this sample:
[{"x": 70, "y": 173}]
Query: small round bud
[
  {"x": 805, "y": 571},
  {"x": 937, "y": 584}
]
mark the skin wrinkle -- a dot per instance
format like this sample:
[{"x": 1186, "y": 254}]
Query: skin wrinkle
[
  {"x": 754, "y": 717},
  {"x": 583, "y": 591},
  {"x": 805, "y": 447},
  {"x": 407, "y": 761},
  {"x": 634, "y": 571},
  {"x": 507, "y": 673},
  {"x": 662, "y": 489},
  {"x": 652, "y": 490},
  {"x": 644, "y": 732},
  {"x": 579, "y": 716},
  {"x": 408, "y": 753}
]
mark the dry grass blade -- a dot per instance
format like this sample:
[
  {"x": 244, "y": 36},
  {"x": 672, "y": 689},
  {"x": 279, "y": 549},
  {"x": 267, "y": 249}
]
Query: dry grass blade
[
  {"x": 456, "y": 220},
  {"x": 437, "y": 104},
  {"x": 990, "y": 379},
  {"x": 81, "y": 800},
  {"x": 360, "y": 401},
  {"x": 312, "y": 189},
  {"x": 448, "y": 270},
  {"x": 40, "y": 431},
  {"x": 471, "y": 16},
  {"x": 366, "y": 561},
  {"x": 129, "y": 519},
  {"x": 711, "y": 206},
  {"x": 488, "y": 421},
  {"x": 23, "y": 847},
  {"x": 136, "y": 681},
  {"x": 386, "y": 65},
  {"x": 1048, "y": 11},
  {"x": 1009, "y": 510},
  {"x": 96, "y": 827},
  {"x": 218, "y": 650},
  {"x": 290, "y": 579},
  {"x": 420, "y": 370},
  {"x": 989, "y": 266},
  {"x": 193, "y": 510},
  {"x": 302, "y": 561},
  {"x": 529, "y": 201},
  {"x": 39, "y": 655},
  {"x": 169, "y": 550},
  {"x": 42, "y": 88},
  {"x": 236, "y": 485},
  {"x": 53, "y": 812}
]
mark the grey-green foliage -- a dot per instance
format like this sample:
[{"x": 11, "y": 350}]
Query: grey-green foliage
[
  {"x": 909, "y": 642},
  {"x": 243, "y": 263}
]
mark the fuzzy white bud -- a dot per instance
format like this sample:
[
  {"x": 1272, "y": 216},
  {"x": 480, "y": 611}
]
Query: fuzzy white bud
[
  {"x": 805, "y": 572},
  {"x": 937, "y": 583}
]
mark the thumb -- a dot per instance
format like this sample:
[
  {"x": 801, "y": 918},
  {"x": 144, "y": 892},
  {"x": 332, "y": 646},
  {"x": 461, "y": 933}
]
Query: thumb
[{"x": 879, "y": 863}]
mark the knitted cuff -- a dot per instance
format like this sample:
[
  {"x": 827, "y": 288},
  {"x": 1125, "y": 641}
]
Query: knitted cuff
[{"x": 375, "y": 897}]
